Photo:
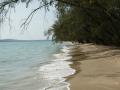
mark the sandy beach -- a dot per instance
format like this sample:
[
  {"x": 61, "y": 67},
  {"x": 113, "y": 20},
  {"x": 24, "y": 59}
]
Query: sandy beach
[{"x": 97, "y": 68}]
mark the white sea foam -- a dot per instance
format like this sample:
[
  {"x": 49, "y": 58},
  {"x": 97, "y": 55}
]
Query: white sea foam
[
  {"x": 62, "y": 56},
  {"x": 65, "y": 49},
  {"x": 57, "y": 70},
  {"x": 60, "y": 86}
]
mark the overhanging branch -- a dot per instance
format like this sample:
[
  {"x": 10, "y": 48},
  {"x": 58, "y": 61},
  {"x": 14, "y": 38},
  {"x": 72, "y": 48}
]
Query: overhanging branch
[{"x": 29, "y": 18}]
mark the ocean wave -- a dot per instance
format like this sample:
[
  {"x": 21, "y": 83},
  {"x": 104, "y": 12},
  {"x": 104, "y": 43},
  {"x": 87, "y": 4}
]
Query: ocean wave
[
  {"x": 56, "y": 71},
  {"x": 62, "y": 56}
]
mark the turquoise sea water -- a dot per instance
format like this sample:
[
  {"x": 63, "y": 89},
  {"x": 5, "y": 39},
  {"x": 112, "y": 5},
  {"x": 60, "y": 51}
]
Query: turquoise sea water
[{"x": 35, "y": 65}]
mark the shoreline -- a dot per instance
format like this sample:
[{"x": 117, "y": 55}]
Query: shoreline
[{"x": 97, "y": 68}]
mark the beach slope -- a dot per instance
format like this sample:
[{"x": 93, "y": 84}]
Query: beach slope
[{"x": 97, "y": 68}]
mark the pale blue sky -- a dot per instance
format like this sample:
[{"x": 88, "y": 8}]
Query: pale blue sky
[{"x": 40, "y": 23}]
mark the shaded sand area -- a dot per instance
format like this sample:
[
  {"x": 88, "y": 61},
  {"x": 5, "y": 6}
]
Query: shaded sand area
[{"x": 97, "y": 68}]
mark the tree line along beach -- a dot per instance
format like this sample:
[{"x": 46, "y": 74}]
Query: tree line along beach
[{"x": 81, "y": 51}]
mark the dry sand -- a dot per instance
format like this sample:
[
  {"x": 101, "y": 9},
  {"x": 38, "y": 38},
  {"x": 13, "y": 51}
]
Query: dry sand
[{"x": 97, "y": 68}]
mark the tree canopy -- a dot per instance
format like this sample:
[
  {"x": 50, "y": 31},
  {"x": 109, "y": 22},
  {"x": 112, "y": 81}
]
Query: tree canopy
[
  {"x": 93, "y": 21},
  {"x": 84, "y": 21}
]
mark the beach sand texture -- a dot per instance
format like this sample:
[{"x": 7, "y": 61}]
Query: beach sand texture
[{"x": 97, "y": 68}]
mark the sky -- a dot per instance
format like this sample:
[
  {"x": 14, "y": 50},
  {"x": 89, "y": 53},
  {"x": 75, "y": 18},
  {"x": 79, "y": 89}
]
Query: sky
[{"x": 40, "y": 23}]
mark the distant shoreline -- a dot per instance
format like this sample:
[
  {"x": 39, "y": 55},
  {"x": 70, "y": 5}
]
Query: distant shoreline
[{"x": 14, "y": 40}]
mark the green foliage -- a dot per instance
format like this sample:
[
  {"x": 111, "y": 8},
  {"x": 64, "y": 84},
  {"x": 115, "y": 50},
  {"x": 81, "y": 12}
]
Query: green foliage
[
  {"x": 93, "y": 21},
  {"x": 84, "y": 21}
]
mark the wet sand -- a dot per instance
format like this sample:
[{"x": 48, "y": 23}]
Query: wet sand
[{"x": 97, "y": 68}]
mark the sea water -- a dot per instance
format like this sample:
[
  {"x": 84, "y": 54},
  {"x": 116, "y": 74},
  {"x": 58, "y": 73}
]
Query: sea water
[{"x": 34, "y": 65}]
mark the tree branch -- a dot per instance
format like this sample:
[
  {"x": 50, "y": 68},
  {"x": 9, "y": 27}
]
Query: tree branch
[{"x": 29, "y": 18}]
